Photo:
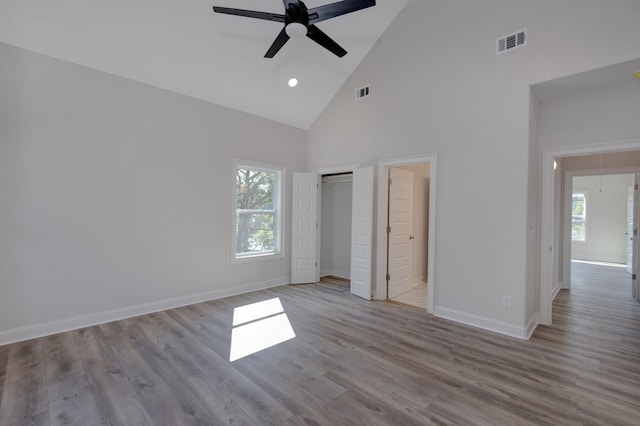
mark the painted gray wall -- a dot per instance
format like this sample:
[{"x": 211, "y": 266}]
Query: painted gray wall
[
  {"x": 606, "y": 218},
  {"x": 335, "y": 256},
  {"x": 114, "y": 194},
  {"x": 453, "y": 96}
]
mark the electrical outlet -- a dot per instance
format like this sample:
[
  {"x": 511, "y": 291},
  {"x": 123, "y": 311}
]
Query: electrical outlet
[{"x": 506, "y": 302}]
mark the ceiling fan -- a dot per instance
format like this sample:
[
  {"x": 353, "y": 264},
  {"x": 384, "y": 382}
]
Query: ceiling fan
[{"x": 300, "y": 21}]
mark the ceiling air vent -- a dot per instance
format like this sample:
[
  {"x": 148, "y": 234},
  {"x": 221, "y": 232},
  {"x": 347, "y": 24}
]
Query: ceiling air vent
[
  {"x": 363, "y": 92},
  {"x": 511, "y": 41}
]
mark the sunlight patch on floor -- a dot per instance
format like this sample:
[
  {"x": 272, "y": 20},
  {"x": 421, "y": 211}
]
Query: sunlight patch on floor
[
  {"x": 259, "y": 326},
  {"x": 593, "y": 262}
]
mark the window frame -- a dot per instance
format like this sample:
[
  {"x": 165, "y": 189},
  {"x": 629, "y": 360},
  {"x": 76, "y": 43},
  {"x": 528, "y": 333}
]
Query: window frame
[
  {"x": 278, "y": 210},
  {"x": 585, "y": 194}
]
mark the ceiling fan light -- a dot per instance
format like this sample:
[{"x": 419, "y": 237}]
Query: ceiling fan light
[
  {"x": 293, "y": 82},
  {"x": 296, "y": 30}
]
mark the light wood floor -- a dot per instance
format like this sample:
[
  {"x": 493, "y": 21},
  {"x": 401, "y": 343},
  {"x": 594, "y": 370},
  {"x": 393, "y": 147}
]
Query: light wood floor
[{"x": 172, "y": 368}]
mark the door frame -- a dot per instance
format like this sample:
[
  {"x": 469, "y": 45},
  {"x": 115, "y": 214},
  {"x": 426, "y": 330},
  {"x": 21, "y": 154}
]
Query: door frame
[
  {"x": 548, "y": 228},
  {"x": 382, "y": 219}
]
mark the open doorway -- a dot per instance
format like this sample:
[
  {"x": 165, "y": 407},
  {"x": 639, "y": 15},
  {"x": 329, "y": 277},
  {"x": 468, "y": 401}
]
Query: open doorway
[
  {"x": 306, "y": 216},
  {"x": 335, "y": 226},
  {"x": 407, "y": 234},
  {"x": 560, "y": 166},
  {"x": 406, "y": 226},
  {"x": 599, "y": 222}
]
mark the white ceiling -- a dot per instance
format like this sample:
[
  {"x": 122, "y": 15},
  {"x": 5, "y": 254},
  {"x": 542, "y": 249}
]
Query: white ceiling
[{"x": 184, "y": 47}]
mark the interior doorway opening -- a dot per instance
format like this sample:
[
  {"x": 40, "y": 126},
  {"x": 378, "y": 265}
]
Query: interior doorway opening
[
  {"x": 406, "y": 230},
  {"x": 408, "y": 233},
  {"x": 599, "y": 222},
  {"x": 335, "y": 225},
  {"x": 558, "y": 169}
]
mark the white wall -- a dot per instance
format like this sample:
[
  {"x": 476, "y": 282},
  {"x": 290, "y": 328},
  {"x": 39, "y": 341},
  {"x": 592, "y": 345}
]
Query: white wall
[
  {"x": 453, "y": 96},
  {"x": 608, "y": 114},
  {"x": 115, "y": 197},
  {"x": 335, "y": 256},
  {"x": 606, "y": 218}
]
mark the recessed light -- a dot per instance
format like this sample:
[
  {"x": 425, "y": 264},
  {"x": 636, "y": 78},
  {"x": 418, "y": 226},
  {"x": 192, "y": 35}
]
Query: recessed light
[{"x": 293, "y": 82}]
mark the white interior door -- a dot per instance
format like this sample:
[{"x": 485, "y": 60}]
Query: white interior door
[
  {"x": 399, "y": 232},
  {"x": 362, "y": 232},
  {"x": 304, "y": 219},
  {"x": 635, "y": 291},
  {"x": 629, "y": 232}
]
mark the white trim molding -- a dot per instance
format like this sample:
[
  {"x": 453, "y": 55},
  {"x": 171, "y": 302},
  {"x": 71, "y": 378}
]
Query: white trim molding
[
  {"x": 489, "y": 324},
  {"x": 68, "y": 324}
]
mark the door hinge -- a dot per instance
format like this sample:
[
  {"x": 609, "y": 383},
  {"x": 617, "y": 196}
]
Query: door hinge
[
  {"x": 635, "y": 232},
  {"x": 316, "y": 264},
  {"x": 388, "y": 277},
  {"x": 390, "y": 181},
  {"x": 633, "y": 277},
  {"x": 388, "y": 229},
  {"x": 635, "y": 186},
  {"x": 316, "y": 225}
]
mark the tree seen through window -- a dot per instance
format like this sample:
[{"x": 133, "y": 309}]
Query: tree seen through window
[{"x": 255, "y": 211}]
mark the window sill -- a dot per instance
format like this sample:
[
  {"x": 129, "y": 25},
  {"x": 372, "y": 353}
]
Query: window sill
[{"x": 257, "y": 258}]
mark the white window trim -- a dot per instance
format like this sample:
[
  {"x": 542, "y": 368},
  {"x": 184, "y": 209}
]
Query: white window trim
[
  {"x": 586, "y": 205},
  {"x": 279, "y": 212}
]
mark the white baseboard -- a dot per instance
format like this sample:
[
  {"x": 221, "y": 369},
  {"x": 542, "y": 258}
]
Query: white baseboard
[
  {"x": 53, "y": 327},
  {"x": 556, "y": 289},
  {"x": 345, "y": 275},
  {"x": 532, "y": 324},
  {"x": 482, "y": 322}
]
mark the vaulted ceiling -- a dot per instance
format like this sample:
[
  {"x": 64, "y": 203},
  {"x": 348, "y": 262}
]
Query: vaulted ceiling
[{"x": 184, "y": 47}]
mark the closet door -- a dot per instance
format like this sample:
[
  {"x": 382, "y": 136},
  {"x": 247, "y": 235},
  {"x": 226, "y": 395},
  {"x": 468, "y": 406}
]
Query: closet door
[
  {"x": 362, "y": 232},
  {"x": 304, "y": 219}
]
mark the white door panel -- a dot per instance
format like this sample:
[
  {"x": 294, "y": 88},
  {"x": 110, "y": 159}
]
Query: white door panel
[
  {"x": 400, "y": 228},
  {"x": 629, "y": 233},
  {"x": 362, "y": 232},
  {"x": 635, "y": 291},
  {"x": 304, "y": 231}
]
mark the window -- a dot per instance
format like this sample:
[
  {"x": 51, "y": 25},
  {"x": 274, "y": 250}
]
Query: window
[
  {"x": 579, "y": 217},
  {"x": 257, "y": 230}
]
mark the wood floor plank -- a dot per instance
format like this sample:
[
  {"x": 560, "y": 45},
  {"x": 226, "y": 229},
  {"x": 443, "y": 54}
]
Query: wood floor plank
[
  {"x": 24, "y": 396},
  {"x": 259, "y": 406},
  {"x": 61, "y": 358},
  {"x": 4, "y": 361},
  {"x": 72, "y": 403},
  {"x": 352, "y": 362},
  {"x": 187, "y": 379},
  {"x": 113, "y": 394}
]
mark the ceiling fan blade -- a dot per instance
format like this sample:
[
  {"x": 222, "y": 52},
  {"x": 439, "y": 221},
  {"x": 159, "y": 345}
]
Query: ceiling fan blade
[
  {"x": 288, "y": 2},
  {"x": 249, "y": 13},
  {"x": 277, "y": 44},
  {"x": 317, "y": 35},
  {"x": 328, "y": 11}
]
